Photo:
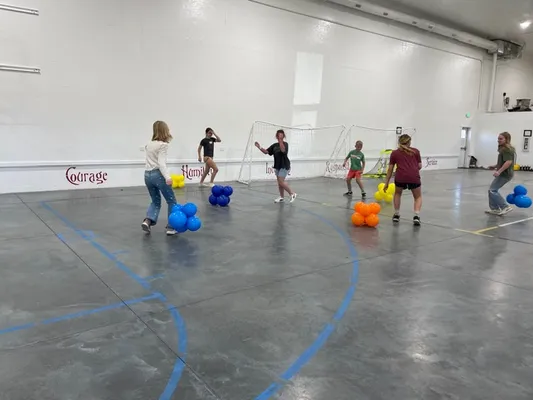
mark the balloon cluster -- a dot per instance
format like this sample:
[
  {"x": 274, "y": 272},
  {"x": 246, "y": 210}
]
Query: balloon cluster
[
  {"x": 178, "y": 181},
  {"x": 519, "y": 197},
  {"x": 220, "y": 195},
  {"x": 366, "y": 214},
  {"x": 183, "y": 218},
  {"x": 382, "y": 195}
]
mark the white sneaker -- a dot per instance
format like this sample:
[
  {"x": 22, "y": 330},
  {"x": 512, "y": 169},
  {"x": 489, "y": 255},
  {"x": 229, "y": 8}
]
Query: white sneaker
[
  {"x": 211, "y": 184},
  {"x": 145, "y": 227},
  {"x": 293, "y": 197},
  {"x": 203, "y": 184},
  {"x": 506, "y": 210},
  {"x": 493, "y": 212},
  {"x": 279, "y": 200},
  {"x": 171, "y": 232}
]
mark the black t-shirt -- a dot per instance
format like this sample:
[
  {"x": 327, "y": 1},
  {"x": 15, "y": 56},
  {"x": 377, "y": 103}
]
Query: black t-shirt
[
  {"x": 281, "y": 160},
  {"x": 209, "y": 146}
]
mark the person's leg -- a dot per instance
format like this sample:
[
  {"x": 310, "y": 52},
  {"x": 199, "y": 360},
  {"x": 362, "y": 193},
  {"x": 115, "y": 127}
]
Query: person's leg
[
  {"x": 359, "y": 182},
  {"x": 348, "y": 185},
  {"x": 397, "y": 202},
  {"x": 417, "y": 196},
  {"x": 170, "y": 197},
  {"x": 152, "y": 214},
  {"x": 214, "y": 169},
  {"x": 497, "y": 203},
  {"x": 206, "y": 172}
]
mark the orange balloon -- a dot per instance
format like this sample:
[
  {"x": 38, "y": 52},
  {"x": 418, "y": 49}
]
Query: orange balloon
[
  {"x": 375, "y": 208},
  {"x": 364, "y": 210},
  {"x": 372, "y": 220},
  {"x": 357, "y": 206},
  {"x": 358, "y": 219}
]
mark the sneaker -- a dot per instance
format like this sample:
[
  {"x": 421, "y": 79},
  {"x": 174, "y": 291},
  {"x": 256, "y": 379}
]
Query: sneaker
[
  {"x": 146, "y": 227},
  {"x": 396, "y": 218},
  {"x": 493, "y": 212},
  {"x": 416, "y": 220},
  {"x": 506, "y": 210},
  {"x": 279, "y": 200},
  {"x": 348, "y": 193},
  {"x": 293, "y": 197},
  {"x": 363, "y": 195},
  {"x": 171, "y": 232},
  {"x": 203, "y": 184},
  {"x": 211, "y": 184}
]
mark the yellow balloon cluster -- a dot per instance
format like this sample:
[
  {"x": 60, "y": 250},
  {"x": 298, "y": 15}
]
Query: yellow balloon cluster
[
  {"x": 387, "y": 196},
  {"x": 178, "y": 181}
]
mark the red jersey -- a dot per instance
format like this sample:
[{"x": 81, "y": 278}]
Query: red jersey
[{"x": 407, "y": 170}]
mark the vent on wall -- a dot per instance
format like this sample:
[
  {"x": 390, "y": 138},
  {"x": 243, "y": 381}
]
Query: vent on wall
[{"x": 508, "y": 50}]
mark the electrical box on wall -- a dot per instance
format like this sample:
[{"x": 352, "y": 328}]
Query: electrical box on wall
[{"x": 525, "y": 146}]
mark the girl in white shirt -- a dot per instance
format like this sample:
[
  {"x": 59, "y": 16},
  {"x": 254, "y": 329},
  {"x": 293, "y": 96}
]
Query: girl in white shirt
[{"x": 156, "y": 176}]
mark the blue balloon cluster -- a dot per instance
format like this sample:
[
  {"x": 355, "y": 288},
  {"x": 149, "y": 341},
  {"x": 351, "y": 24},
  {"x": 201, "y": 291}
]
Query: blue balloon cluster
[
  {"x": 183, "y": 218},
  {"x": 220, "y": 195},
  {"x": 519, "y": 197}
]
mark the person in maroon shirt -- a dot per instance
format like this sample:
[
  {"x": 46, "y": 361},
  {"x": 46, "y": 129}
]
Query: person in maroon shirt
[{"x": 408, "y": 165}]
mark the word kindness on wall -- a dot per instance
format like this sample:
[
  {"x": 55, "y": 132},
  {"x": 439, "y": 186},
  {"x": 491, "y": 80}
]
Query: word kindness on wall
[{"x": 78, "y": 177}]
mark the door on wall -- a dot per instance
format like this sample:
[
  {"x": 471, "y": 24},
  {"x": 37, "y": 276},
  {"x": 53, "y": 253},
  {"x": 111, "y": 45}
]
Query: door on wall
[{"x": 464, "y": 162}]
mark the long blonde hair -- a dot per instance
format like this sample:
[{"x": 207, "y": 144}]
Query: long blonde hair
[
  {"x": 507, "y": 144},
  {"x": 161, "y": 132},
  {"x": 404, "y": 144}
]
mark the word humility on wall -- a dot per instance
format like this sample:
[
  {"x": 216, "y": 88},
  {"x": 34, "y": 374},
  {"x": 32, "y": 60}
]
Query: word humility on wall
[{"x": 77, "y": 178}]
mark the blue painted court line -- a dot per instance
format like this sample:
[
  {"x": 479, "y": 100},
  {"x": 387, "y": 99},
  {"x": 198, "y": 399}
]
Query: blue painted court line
[
  {"x": 179, "y": 323},
  {"x": 81, "y": 313},
  {"x": 323, "y": 336}
]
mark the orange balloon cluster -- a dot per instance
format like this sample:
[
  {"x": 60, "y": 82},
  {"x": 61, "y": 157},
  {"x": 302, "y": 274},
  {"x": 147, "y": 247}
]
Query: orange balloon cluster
[{"x": 366, "y": 214}]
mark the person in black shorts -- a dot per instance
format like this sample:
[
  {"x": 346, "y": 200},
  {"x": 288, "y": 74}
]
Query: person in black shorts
[
  {"x": 282, "y": 164},
  {"x": 208, "y": 144}
]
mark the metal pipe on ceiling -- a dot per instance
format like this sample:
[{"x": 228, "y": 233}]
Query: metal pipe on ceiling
[{"x": 424, "y": 24}]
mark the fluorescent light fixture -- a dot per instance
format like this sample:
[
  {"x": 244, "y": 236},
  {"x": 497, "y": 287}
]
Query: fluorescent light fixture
[{"x": 525, "y": 24}]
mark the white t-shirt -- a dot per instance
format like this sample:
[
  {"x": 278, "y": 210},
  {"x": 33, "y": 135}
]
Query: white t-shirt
[{"x": 156, "y": 157}]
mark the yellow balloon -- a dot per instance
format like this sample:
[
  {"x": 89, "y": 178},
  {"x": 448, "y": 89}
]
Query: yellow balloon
[
  {"x": 391, "y": 189},
  {"x": 388, "y": 198},
  {"x": 181, "y": 178},
  {"x": 381, "y": 186},
  {"x": 181, "y": 184},
  {"x": 379, "y": 195}
]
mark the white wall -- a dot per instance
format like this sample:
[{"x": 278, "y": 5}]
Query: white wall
[
  {"x": 110, "y": 68},
  {"x": 487, "y": 127}
]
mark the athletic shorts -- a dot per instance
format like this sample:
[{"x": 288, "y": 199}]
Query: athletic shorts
[
  {"x": 354, "y": 174},
  {"x": 408, "y": 186},
  {"x": 282, "y": 173}
]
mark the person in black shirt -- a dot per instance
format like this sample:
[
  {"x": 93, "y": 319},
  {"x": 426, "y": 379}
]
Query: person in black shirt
[
  {"x": 282, "y": 164},
  {"x": 208, "y": 144}
]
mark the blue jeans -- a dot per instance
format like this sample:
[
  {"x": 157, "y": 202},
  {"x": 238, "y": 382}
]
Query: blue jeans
[
  {"x": 496, "y": 201},
  {"x": 156, "y": 185}
]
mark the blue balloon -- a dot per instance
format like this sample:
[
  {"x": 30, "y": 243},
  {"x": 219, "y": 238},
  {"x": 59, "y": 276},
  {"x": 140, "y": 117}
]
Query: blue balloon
[
  {"x": 522, "y": 201},
  {"x": 177, "y": 220},
  {"x": 189, "y": 209},
  {"x": 229, "y": 199},
  {"x": 183, "y": 229},
  {"x": 217, "y": 190},
  {"x": 176, "y": 208},
  {"x": 520, "y": 190},
  {"x": 222, "y": 201},
  {"x": 213, "y": 200},
  {"x": 193, "y": 224},
  {"x": 511, "y": 198},
  {"x": 228, "y": 191}
]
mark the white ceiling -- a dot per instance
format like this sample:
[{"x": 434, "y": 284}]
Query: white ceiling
[{"x": 491, "y": 19}]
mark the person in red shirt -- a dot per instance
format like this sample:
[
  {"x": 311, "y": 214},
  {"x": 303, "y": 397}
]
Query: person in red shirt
[{"x": 408, "y": 165}]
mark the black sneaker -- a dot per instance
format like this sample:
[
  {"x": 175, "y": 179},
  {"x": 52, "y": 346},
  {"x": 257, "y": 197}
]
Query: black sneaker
[
  {"x": 416, "y": 220},
  {"x": 363, "y": 195},
  {"x": 348, "y": 193},
  {"x": 396, "y": 218}
]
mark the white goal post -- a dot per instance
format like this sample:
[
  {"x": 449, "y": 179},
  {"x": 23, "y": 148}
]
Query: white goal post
[
  {"x": 377, "y": 146},
  {"x": 309, "y": 150}
]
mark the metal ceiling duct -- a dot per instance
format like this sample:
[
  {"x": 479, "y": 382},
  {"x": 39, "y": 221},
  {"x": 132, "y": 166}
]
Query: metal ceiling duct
[{"x": 424, "y": 24}]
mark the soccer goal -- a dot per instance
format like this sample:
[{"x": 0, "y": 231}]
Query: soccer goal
[
  {"x": 377, "y": 147},
  {"x": 309, "y": 149}
]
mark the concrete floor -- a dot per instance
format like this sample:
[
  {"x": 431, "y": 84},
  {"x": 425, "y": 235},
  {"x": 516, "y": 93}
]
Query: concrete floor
[{"x": 266, "y": 300}]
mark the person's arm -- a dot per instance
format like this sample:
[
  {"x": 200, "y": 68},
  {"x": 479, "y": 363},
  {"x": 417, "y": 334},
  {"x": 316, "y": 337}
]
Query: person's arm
[
  {"x": 162, "y": 162},
  {"x": 363, "y": 163},
  {"x": 390, "y": 170},
  {"x": 346, "y": 159},
  {"x": 264, "y": 151},
  {"x": 282, "y": 146},
  {"x": 508, "y": 158},
  {"x": 200, "y": 152},
  {"x": 419, "y": 159},
  {"x": 217, "y": 138}
]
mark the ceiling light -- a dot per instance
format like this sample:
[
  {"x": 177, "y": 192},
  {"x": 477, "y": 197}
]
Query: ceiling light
[{"x": 525, "y": 24}]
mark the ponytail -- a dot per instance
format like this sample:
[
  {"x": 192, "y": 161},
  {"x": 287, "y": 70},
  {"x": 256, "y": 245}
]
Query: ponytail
[{"x": 404, "y": 144}]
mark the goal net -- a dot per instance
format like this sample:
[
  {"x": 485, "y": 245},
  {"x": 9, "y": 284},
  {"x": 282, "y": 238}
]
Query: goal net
[
  {"x": 309, "y": 149},
  {"x": 378, "y": 145}
]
